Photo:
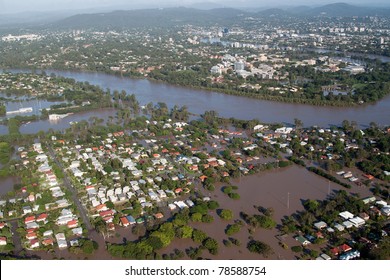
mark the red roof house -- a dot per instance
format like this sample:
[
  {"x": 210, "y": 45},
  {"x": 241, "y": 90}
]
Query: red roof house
[
  {"x": 72, "y": 224},
  {"x": 42, "y": 217},
  {"x": 48, "y": 241},
  {"x": 29, "y": 219},
  {"x": 124, "y": 222},
  {"x": 106, "y": 213}
]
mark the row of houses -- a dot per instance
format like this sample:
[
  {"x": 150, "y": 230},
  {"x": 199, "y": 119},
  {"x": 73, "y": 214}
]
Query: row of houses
[{"x": 348, "y": 221}]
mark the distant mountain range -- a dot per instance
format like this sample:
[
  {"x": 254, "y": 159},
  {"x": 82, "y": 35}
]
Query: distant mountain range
[
  {"x": 346, "y": 10},
  {"x": 197, "y": 14},
  {"x": 330, "y": 10},
  {"x": 152, "y": 17}
]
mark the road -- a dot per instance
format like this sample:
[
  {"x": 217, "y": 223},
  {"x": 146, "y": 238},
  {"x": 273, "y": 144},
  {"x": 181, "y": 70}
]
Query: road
[
  {"x": 92, "y": 233},
  {"x": 68, "y": 185},
  {"x": 16, "y": 237}
]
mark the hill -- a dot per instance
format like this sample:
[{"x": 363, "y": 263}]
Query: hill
[
  {"x": 346, "y": 10},
  {"x": 169, "y": 17},
  {"x": 152, "y": 17}
]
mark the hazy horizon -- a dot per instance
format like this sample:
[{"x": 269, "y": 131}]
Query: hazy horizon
[{"x": 18, "y": 6}]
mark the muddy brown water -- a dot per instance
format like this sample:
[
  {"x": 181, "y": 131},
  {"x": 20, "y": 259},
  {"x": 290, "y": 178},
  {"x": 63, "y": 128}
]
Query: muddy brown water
[
  {"x": 268, "y": 189},
  {"x": 7, "y": 184},
  {"x": 199, "y": 101}
]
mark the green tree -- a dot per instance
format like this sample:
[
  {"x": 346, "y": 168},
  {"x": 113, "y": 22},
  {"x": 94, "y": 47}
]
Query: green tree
[
  {"x": 88, "y": 247},
  {"x": 232, "y": 229},
  {"x": 259, "y": 247},
  {"x": 226, "y": 214},
  {"x": 207, "y": 218},
  {"x": 211, "y": 245},
  {"x": 212, "y": 204},
  {"x": 198, "y": 235},
  {"x": 196, "y": 217},
  {"x": 186, "y": 232}
]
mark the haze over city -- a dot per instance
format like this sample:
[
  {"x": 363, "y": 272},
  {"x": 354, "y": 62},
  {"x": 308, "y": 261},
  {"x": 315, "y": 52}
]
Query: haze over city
[{"x": 8, "y": 6}]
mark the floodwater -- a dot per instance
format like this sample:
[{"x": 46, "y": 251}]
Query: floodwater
[
  {"x": 22, "y": 102},
  {"x": 284, "y": 190},
  {"x": 199, "y": 101},
  {"x": 7, "y": 184},
  {"x": 239, "y": 107},
  {"x": 382, "y": 58},
  {"x": 3, "y": 129},
  {"x": 65, "y": 123},
  {"x": 61, "y": 124}
]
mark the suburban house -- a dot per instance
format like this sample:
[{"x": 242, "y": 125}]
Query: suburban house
[
  {"x": 3, "y": 241},
  {"x": 302, "y": 240},
  {"x": 34, "y": 243},
  {"x": 357, "y": 221},
  {"x": 77, "y": 231},
  {"x": 42, "y": 217},
  {"x": 48, "y": 241},
  {"x": 61, "y": 241},
  {"x": 346, "y": 215},
  {"x": 320, "y": 225},
  {"x": 124, "y": 222}
]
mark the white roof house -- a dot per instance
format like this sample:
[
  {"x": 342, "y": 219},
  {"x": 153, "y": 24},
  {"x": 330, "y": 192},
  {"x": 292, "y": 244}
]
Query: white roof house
[
  {"x": 320, "y": 225},
  {"x": 162, "y": 194},
  {"x": 181, "y": 204},
  {"x": 386, "y": 211},
  {"x": 77, "y": 231},
  {"x": 369, "y": 200},
  {"x": 357, "y": 221},
  {"x": 325, "y": 257},
  {"x": 60, "y": 236},
  {"x": 48, "y": 233},
  {"x": 346, "y": 215},
  {"x": 347, "y": 224},
  {"x": 172, "y": 206},
  {"x": 32, "y": 225},
  {"x": 339, "y": 227},
  {"x": 381, "y": 203},
  {"x": 190, "y": 203}
]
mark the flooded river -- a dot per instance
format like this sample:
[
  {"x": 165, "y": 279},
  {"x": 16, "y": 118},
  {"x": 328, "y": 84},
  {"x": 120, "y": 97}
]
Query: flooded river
[
  {"x": 199, "y": 101},
  {"x": 239, "y": 107}
]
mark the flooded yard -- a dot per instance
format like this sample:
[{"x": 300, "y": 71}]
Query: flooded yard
[
  {"x": 284, "y": 190},
  {"x": 7, "y": 184}
]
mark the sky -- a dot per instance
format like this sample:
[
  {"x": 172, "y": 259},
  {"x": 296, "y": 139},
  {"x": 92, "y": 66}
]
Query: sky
[{"x": 16, "y": 6}]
